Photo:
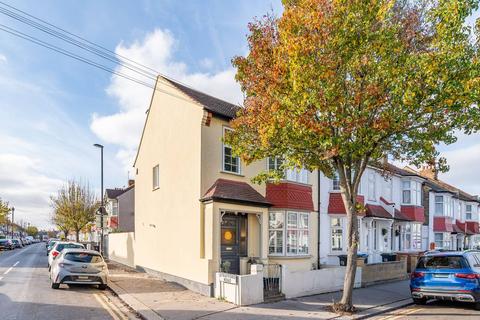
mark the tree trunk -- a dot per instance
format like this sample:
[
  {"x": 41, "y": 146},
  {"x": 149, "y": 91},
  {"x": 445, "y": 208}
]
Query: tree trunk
[
  {"x": 346, "y": 303},
  {"x": 77, "y": 235}
]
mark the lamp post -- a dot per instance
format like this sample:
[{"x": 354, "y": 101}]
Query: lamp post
[
  {"x": 101, "y": 195},
  {"x": 13, "y": 218}
]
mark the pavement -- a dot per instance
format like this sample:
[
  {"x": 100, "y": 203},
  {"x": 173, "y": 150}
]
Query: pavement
[
  {"x": 156, "y": 299},
  {"x": 25, "y": 292}
]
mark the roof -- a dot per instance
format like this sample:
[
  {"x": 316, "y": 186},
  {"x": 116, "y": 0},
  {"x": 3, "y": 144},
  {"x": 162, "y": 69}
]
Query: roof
[
  {"x": 115, "y": 193},
  {"x": 211, "y": 103},
  {"x": 236, "y": 192},
  {"x": 399, "y": 215},
  {"x": 377, "y": 211},
  {"x": 399, "y": 171}
]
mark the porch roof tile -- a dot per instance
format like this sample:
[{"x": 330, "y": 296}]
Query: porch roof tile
[
  {"x": 377, "y": 211},
  {"x": 234, "y": 191}
]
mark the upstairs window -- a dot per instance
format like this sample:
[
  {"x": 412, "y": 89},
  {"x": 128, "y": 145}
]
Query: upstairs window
[
  {"x": 336, "y": 182},
  {"x": 230, "y": 163},
  {"x": 371, "y": 186},
  {"x": 439, "y": 206},
  {"x": 468, "y": 212},
  {"x": 114, "y": 208},
  {"x": 406, "y": 192},
  {"x": 155, "y": 177},
  {"x": 296, "y": 175}
]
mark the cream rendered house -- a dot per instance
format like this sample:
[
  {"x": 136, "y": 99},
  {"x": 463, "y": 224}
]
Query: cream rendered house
[{"x": 196, "y": 210}]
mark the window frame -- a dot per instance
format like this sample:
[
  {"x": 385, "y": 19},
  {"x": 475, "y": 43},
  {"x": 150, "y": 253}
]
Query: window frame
[
  {"x": 335, "y": 182},
  {"x": 298, "y": 229},
  {"x": 224, "y": 146},
  {"x": 156, "y": 177},
  {"x": 436, "y": 202},
  {"x": 340, "y": 228},
  {"x": 407, "y": 191},
  {"x": 468, "y": 212}
]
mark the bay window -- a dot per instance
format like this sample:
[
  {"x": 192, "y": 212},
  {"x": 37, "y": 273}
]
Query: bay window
[
  {"x": 295, "y": 175},
  {"x": 411, "y": 192},
  {"x": 439, "y": 206},
  {"x": 337, "y": 234},
  {"x": 416, "y": 236},
  {"x": 468, "y": 212},
  {"x": 230, "y": 163},
  {"x": 294, "y": 233}
]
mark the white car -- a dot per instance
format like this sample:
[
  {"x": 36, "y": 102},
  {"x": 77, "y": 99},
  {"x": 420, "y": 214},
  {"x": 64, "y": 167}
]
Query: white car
[
  {"x": 79, "y": 266},
  {"x": 59, "y": 246}
]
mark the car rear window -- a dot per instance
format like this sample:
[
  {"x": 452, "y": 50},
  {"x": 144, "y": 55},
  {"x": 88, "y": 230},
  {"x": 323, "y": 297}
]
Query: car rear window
[
  {"x": 442, "y": 262},
  {"x": 62, "y": 246},
  {"x": 83, "y": 257}
]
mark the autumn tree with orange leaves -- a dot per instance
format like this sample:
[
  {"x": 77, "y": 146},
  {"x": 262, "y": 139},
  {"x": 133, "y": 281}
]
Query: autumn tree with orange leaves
[{"x": 335, "y": 85}]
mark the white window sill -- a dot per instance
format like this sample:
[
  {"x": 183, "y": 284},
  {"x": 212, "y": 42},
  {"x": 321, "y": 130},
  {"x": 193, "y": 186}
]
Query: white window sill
[
  {"x": 155, "y": 188},
  {"x": 232, "y": 173}
]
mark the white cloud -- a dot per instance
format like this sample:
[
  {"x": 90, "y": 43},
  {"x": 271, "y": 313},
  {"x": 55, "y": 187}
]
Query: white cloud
[
  {"x": 3, "y": 59},
  {"x": 155, "y": 50},
  {"x": 24, "y": 184},
  {"x": 463, "y": 163},
  {"x": 206, "y": 63}
]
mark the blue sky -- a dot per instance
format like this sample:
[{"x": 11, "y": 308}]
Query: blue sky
[{"x": 54, "y": 108}]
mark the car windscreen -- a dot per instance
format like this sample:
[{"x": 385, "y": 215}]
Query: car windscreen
[
  {"x": 62, "y": 246},
  {"x": 3, "y": 241},
  {"x": 442, "y": 262},
  {"x": 83, "y": 257}
]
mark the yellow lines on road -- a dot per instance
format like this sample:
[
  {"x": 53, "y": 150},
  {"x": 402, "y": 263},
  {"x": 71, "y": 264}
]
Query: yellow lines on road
[
  {"x": 113, "y": 311},
  {"x": 402, "y": 313}
]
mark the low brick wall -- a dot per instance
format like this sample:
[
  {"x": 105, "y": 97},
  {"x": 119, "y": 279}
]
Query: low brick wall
[{"x": 384, "y": 271}]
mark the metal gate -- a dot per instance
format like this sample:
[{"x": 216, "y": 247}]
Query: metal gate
[{"x": 272, "y": 280}]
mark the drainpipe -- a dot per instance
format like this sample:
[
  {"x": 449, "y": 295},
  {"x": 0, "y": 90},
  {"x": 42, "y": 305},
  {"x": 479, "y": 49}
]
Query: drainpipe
[{"x": 318, "y": 221}]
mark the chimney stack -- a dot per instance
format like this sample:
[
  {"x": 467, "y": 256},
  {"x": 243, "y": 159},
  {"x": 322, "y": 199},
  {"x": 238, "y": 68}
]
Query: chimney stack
[
  {"x": 131, "y": 182},
  {"x": 429, "y": 170}
]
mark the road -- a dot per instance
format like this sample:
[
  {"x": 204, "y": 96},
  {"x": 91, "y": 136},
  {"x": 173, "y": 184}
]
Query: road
[
  {"x": 25, "y": 292},
  {"x": 437, "y": 310}
]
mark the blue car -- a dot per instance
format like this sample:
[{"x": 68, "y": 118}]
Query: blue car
[{"x": 451, "y": 276}]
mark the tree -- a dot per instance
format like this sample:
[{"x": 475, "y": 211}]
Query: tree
[
  {"x": 335, "y": 85},
  {"x": 4, "y": 210},
  {"x": 32, "y": 231},
  {"x": 74, "y": 207}
]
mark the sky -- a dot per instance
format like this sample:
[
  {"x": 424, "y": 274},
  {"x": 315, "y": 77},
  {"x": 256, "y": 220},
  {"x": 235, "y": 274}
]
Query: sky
[{"x": 53, "y": 108}]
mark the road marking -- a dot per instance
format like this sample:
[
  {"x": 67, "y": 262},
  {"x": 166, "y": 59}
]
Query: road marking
[
  {"x": 1, "y": 278},
  {"x": 8, "y": 270},
  {"x": 117, "y": 315},
  {"x": 16, "y": 263},
  {"x": 401, "y": 314}
]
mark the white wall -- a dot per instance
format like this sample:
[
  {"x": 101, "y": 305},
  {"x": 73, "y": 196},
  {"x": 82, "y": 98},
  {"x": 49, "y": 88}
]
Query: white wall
[
  {"x": 121, "y": 248},
  {"x": 303, "y": 283},
  {"x": 241, "y": 290}
]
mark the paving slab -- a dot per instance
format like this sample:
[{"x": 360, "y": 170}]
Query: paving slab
[{"x": 154, "y": 298}]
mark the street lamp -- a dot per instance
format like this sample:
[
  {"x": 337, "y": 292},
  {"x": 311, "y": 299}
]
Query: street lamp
[
  {"x": 13, "y": 218},
  {"x": 101, "y": 203}
]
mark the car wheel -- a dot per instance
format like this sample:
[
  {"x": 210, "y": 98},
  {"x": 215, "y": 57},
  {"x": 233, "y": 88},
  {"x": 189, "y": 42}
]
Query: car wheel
[
  {"x": 477, "y": 305},
  {"x": 102, "y": 286},
  {"x": 55, "y": 285},
  {"x": 420, "y": 301}
]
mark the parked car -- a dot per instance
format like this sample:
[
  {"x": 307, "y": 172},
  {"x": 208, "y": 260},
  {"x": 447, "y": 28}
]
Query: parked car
[
  {"x": 59, "y": 246},
  {"x": 6, "y": 244},
  {"x": 17, "y": 243},
  {"x": 79, "y": 266},
  {"x": 447, "y": 276},
  {"x": 50, "y": 244}
]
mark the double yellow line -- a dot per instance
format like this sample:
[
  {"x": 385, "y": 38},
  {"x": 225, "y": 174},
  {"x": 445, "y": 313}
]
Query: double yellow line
[
  {"x": 114, "y": 312},
  {"x": 401, "y": 314}
]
